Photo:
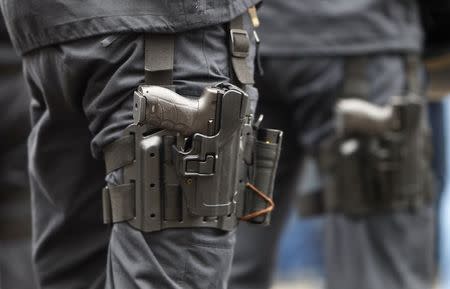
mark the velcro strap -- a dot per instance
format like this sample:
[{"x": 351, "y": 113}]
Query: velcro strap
[
  {"x": 311, "y": 204},
  {"x": 240, "y": 50},
  {"x": 118, "y": 203},
  {"x": 159, "y": 57},
  {"x": 119, "y": 153}
]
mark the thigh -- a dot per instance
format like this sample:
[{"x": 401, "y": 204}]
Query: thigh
[
  {"x": 69, "y": 240},
  {"x": 391, "y": 249},
  {"x": 174, "y": 258},
  {"x": 394, "y": 250},
  {"x": 15, "y": 263}
]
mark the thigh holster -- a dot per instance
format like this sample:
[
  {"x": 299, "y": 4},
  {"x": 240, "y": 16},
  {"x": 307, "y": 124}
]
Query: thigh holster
[
  {"x": 192, "y": 162},
  {"x": 378, "y": 157},
  {"x": 371, "y": 173},
  {"x": 206, "y": 180}
]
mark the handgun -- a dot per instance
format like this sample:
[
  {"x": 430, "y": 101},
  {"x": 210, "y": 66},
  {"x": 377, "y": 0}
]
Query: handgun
[
  {"x": 165, "y": 109},
  {"x": 359, "y": 116}
]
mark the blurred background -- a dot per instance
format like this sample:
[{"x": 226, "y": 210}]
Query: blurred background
[{"x": 301, "y": 264}]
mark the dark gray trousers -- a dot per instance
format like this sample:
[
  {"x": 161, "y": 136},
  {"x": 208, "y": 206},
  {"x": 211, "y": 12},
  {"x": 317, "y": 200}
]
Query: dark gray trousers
[
  {"x": 15, "y": 221},
  {"x": 82, "y": 100},
  {"x": 16, "y": 271},
  {"x": 390, "y": 250}
]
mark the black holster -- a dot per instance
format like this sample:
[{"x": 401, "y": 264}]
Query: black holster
[
  {"x": 171, "y": 181},
  {"x": 376, "y": 161}
]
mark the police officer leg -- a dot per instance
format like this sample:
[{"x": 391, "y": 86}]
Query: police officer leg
[
  {"x": 389, "y": 249},
  {"x": 175, "y": 258},
  {"x": 70, "y": 241}
]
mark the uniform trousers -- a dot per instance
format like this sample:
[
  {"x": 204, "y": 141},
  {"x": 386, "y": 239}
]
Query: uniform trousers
[
  {"x": 391, "y": 250},
  {"x": 82, "y": 100}
]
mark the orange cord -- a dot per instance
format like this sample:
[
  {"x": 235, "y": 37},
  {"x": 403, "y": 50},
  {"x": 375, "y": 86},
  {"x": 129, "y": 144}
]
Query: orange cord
[{"x": 264, "y": 211}]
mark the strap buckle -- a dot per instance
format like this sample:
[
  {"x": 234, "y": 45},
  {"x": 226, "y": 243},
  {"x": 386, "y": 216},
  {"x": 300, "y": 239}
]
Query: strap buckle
[{"x": 240, "y": 43}]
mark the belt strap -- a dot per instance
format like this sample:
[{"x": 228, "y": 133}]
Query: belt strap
[
  {"x": 160, "y": 48},
  {"x": 240, "y": 51},
  {"x": 159, "y": 57}
]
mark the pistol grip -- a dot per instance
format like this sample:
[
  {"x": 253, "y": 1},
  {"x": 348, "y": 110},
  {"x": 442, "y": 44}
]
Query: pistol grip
[{"x": 165, "y": 109}]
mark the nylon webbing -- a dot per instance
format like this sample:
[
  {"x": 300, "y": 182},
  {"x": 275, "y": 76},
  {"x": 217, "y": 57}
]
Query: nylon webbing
[
  {"x": 159, "y": 57},
  {"x": 240, "y": 50}
]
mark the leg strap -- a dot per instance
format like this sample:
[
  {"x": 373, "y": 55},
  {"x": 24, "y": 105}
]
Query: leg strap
[
  {"x": 240, "y": 51},
  {"x": 159, "y": 56}
]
